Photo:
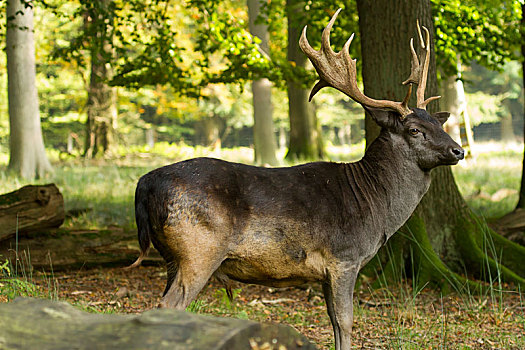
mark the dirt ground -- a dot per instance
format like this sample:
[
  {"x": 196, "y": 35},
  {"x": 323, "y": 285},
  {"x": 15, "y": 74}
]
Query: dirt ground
[{"x": 384, "y": 319}]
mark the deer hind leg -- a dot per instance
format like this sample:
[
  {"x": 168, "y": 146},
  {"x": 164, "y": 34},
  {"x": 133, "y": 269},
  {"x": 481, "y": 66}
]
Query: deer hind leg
[
  {"x": 338, "y": 292},
  {"x": 197, "y": 260},
  {"x": 185, "y": 283}
]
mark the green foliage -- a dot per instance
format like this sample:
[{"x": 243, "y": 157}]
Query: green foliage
[
  {"x": 487, "y": 32},
  {"x": 196, "y": 306},
  {"x": 224, "y": 301},
  {"x": 230, "y": 53},
  {"x": 12, "y": 285},
  {"x": 165, "y": 54}
]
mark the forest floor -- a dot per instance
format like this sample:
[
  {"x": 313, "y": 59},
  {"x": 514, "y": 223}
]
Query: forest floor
[{"x": 391, "y": 318}]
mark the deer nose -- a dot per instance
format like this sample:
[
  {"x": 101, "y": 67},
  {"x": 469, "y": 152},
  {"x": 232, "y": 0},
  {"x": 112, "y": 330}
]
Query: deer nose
[{"x": 459, "y": 153}]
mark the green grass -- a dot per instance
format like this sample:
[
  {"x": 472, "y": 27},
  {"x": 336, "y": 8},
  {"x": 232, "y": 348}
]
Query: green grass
[
  {"x": 16, "y": 280},
  {"x": 496, "y": 167}
]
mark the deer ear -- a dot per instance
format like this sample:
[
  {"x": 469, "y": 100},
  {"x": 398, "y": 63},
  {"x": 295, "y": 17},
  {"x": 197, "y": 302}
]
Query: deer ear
[
  {"x": 441, "y": 117},
  {"x": 384, "y": 118}
]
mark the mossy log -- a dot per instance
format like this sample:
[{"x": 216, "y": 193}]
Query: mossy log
[
  {"x": 30, "y": 208},
  {"x": 29, "y": 323},
  {"x": 71, "y": 249}
]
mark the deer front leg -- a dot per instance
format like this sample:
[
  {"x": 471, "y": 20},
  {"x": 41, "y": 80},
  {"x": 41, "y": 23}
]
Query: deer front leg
[{"x": 338, "y": 293}]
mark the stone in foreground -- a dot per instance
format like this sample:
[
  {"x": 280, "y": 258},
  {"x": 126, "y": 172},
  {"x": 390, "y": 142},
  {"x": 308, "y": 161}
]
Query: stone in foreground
[{"x": 29, "y": 323}]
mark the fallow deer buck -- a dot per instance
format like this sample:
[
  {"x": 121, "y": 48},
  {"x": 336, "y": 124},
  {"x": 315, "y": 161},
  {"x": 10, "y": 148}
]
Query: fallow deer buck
[{"x": 282, "y": 227}]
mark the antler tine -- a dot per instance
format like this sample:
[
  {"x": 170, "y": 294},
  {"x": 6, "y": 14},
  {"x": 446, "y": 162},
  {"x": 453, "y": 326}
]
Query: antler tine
[
  {"x": 325, "y": 36},
  {"x": 338, "y": 70},
  {"x": 305, "y": 45},
  {"x": 421, "y": 41},
  {"x": 422, "y": 84},
  {"x": 421, "y": 102},
  {"x": 415, "y": 70},
  {"x": 418, "y": 72}
]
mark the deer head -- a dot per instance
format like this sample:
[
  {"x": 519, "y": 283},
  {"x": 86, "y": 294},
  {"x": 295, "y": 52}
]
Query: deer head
[{"x": 421, "y": 132}]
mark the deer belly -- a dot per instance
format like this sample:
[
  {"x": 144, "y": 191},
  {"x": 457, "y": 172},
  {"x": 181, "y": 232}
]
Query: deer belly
[{"x": 277, "y": 268}]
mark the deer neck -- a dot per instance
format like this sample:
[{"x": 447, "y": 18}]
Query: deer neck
[{"x": 387, "y": 184}]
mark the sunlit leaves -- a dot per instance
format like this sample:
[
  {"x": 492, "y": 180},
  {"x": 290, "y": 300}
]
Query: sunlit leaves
[
  {"x": 483, "y": 31},
  {"x": 230, "y": 53}
]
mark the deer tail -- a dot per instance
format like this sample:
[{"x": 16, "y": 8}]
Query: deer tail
[{"x": 143, "y": 223}]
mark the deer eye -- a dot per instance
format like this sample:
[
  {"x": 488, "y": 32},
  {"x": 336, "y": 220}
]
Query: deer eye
[{"x": 414, "y": 131}]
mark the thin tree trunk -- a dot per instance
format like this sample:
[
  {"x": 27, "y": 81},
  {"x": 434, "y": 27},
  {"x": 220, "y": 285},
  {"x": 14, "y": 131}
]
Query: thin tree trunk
[
  {"x": 101, "y": 105},
  {"x": 442, "y": 226},
  {"x": 305, "y": 136},
  {"x": 521, "y": 201},
  {"x": 507, "y": 130},
  {"x": 26, "y": 145},
  {"x": 264, "y": 141},
  {"x": 451, "y": 103}
]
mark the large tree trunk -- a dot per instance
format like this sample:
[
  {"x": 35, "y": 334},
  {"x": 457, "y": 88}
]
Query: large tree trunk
[
  {"x": 44, "y": 324},
  {"x": 264, "y": 141},
  {"x": 27, "y": 153},
  {"x": 102, "y": 98},
  {"x": 442, "y": 226},
  {"x": 305, "y": 136}
]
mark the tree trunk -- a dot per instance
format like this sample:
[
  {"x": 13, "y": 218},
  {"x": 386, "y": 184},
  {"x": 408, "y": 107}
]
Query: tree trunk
[
  {"x": 102, "y": 98},
  {"x": 442, "y": 227},
  {"x": 507, "y": 130},
  {"x": 521, "y": 201},
  {"x": 44, "y": 324},
  {"x": 29, "y": 209},
  {"x": 451, "y": 103},
  {"x": 208, "y": 131},
  {"x": 264, "y": 141},
  {"x": 305, "y": 136},
  {"x": 26, "y": 145}
]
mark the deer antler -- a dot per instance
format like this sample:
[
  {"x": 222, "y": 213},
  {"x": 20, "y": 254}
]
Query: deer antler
[
  {"x": 338, "y": 70},
  {"x": 418, "y": 72}
]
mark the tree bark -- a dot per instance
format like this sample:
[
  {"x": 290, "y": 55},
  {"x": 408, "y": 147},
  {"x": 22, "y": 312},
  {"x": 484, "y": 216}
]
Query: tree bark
[
  {"x": 305, "y": 137},
  {"x": 264, "y": 141},
  {"x": 30, "y": 208},
  {"x": 442, "y": 228},
  {"x": 102, "y": 98},
  {"x": 44, "y": 324},
  {"x": 26, "y": 145}
]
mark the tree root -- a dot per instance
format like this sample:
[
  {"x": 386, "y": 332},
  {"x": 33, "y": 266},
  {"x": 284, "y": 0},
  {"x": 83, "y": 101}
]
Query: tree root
[{"x": 486, "y": 255}]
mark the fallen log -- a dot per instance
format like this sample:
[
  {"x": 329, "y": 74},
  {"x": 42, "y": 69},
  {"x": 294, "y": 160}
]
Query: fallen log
[
  {"x": 72, "y": 249},
  {"x": 512, "y": 226},
  {"x": 30, "y": 208},
  {"x": 44, "y": 324}
]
